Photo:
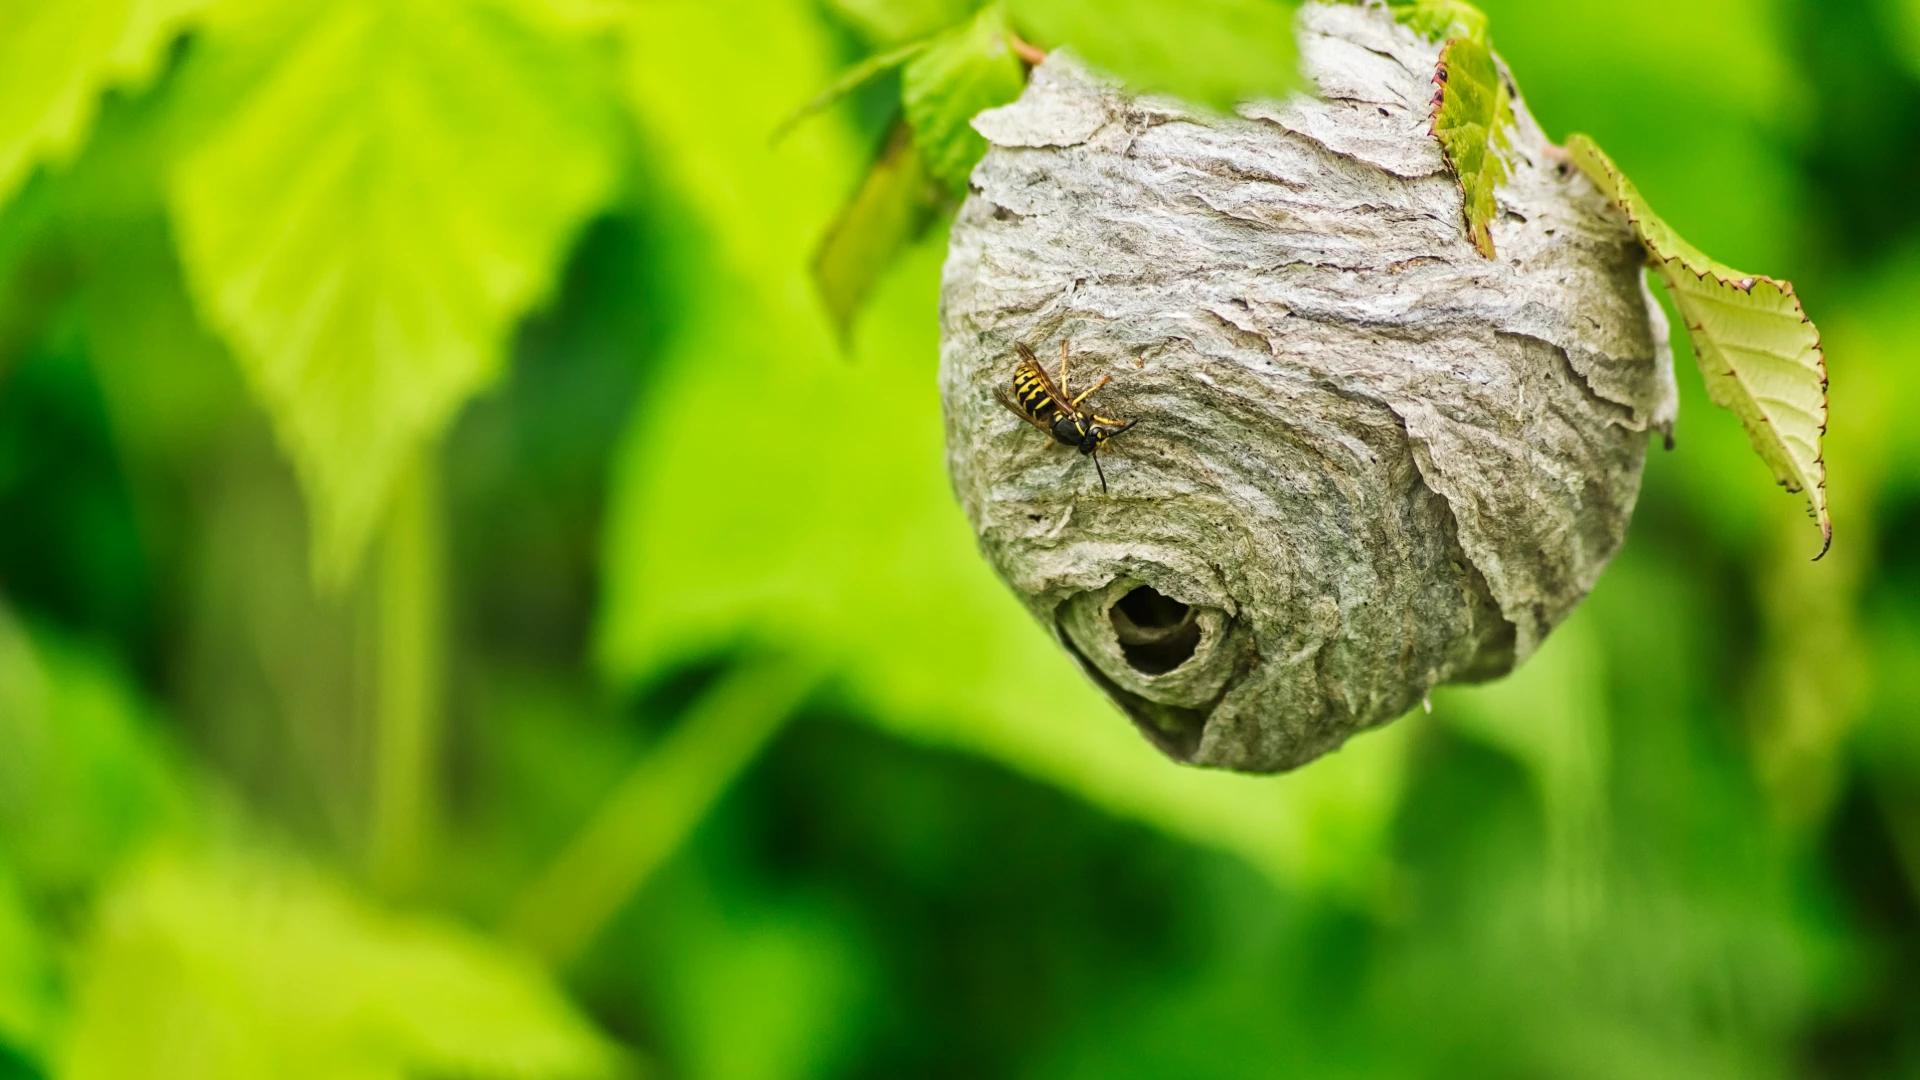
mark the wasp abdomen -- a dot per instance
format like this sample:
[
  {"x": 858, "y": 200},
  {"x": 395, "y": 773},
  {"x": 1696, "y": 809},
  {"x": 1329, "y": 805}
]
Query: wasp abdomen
[{"x": 1034, "y": 397}]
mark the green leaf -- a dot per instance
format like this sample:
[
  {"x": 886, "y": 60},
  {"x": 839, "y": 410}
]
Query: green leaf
[
  {"x": 376, "y": 210},
  {"x": 706, "y": 82},
  {"x": 1215, "y": 52},
  {"x": 966, "y": 71},
  {"x": 1472, "y": 110},
  {"x": 1438, "y": 19},
  {"x": 892, "y": 207},
  {"x": 946, "y": 82},
  {"x": 1470, "y": 118},
  {"x": 57, "y": 57},
  {"x": 1758, "y": 351},
  {"x": 248, "y": 966}
]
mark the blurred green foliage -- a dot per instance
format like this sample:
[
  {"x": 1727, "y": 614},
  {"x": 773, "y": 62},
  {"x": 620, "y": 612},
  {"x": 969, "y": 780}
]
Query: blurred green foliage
[
  {"x": 1215, "y": 52},
  {"x": 966, "y": 70},
  {"x": 468, "y": 607}
]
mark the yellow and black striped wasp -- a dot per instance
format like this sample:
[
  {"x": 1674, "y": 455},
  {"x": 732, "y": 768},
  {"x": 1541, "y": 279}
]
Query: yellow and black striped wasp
[{"x": 1035, "y": 399}]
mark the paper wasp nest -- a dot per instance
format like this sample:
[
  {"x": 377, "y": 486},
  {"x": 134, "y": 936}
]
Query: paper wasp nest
[{"x": 1368, "y": 460}]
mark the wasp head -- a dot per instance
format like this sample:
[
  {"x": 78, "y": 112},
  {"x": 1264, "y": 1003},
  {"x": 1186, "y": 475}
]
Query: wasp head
[{"x": 1094, "y": 435}]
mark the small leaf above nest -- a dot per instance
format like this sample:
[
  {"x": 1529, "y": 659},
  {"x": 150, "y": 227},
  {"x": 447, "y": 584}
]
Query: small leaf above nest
[
  {"x": 1759, "y": 353},
  {"x": 891, "y": 209},
  {"x": 964, "y": 71},
  {"x": 1471, "y": 111}
]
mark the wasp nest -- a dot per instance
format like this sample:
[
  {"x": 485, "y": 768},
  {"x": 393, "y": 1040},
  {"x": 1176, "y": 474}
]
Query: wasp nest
[{"x": 1367, "y": 459}]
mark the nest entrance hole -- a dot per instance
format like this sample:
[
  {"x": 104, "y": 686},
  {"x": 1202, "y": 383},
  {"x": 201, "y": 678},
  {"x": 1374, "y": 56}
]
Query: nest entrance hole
[{"x": 1156, "y": 633}]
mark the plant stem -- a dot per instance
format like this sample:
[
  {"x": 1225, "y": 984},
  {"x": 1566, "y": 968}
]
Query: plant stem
[
  {"x": 409, "y": 628},
  {"x": 653, "y": 808}
]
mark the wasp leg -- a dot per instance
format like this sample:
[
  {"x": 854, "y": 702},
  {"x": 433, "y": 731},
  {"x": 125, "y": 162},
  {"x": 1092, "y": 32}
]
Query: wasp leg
[
  {"x": 1064, "y": 390},
  {"x": 1104, "y": 380}
]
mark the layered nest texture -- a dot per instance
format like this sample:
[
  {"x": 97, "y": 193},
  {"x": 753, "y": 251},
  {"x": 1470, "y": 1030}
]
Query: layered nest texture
[{"x": 1366, "y": 459}]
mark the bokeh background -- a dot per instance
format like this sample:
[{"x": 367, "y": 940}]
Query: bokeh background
[{"x": 467, "y": 610}]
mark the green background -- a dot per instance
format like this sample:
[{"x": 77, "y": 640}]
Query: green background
[{"x": 465, "y": 610}]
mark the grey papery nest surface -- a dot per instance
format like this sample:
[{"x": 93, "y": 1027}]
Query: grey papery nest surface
[{"x": 1367, "y": 461}]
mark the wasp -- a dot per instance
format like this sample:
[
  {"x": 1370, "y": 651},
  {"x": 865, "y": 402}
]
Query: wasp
[{"x": 1035, "y": 399}]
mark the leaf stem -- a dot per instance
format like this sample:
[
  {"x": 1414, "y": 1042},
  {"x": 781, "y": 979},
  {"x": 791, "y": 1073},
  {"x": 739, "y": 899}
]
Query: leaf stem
[
  {"x": 1030, "y": 54},
  {"x": 656, "y": 805},
  {"x": 409, "y": 602},
  {"x": 850, "y": 80}
]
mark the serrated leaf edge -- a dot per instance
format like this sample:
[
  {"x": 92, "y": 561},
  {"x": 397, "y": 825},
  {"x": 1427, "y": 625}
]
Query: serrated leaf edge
[
  {"x": 1814, "y": 484},
  {"x": 1479, "y": 233}
]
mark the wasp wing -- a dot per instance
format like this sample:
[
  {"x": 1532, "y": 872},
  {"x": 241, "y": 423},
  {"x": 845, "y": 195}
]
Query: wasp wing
[
  {"x": 1030, "y": 366},
  {"x": 1005, "y": 397}
]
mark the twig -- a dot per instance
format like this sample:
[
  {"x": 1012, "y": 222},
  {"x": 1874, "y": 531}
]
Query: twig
[
  {"x": 653, "y": 809},
  {"x": 1028, "y": 52},
  {"x": 410, "y": 600}
]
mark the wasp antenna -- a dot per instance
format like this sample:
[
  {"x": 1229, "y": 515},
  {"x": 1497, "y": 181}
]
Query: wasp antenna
[{"x": 1102, "y": 473}]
